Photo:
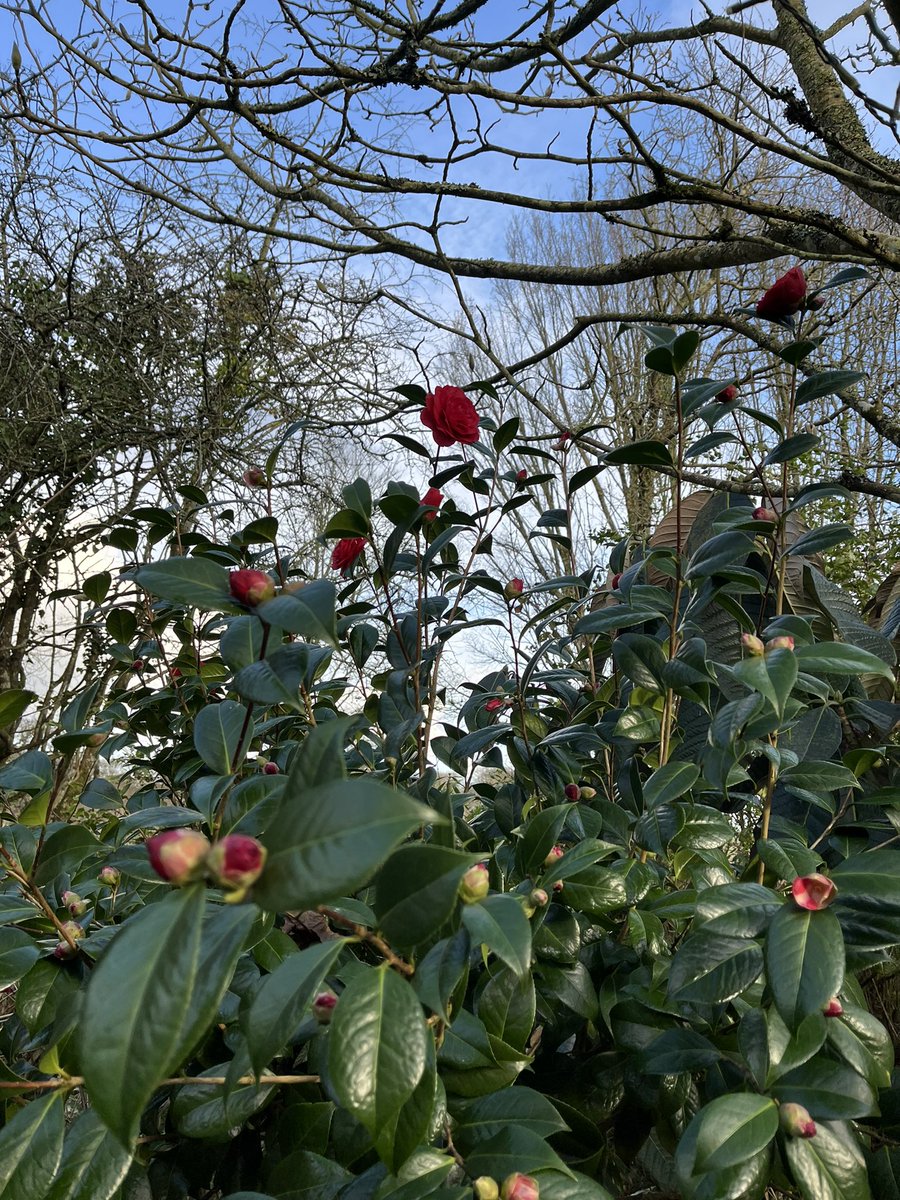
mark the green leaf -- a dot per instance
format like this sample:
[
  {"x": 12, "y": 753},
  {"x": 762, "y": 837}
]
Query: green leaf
[
  {"x": 217, "y": 735},
  {"x": 734, "y": 1128},
  {"x": 279, "y": 677},
  {"x": 829, "y": 1090},
  {"x": 303, "y": 1176},
  {"x": 30, "y": 1149},
  {"x": 281, "y": 1000},
  {"x": 720, "y": 552},
  {"x": 30, "y": 772},
  {"x": 737, "y": 909},
  {"x": 150, "y": 967},
  {"x": 826, "y": 383},
  {"x": 821, "y": 539},
  {"x": 869, "y": 881},
  {"x": 709, "y": 968},
  {"x": 829, "y": 1166},
  {"x": 18, "y": 953},
  {"x": 481, "y": 1119},
  {"x": 678, "y": 1050},
  {"x": 319, "y": 759},
  {"x": 13, "y": 703},
  {"x": 46, "y": 988},
  {"x": 378, "y": 1046},
  {"x": 328, "y": 841},
  {"x": 413, "y": 1125},
  {"x": 309, "y": 612},
  {"x": 416, "y": 891},
  {"x": 792, "y": 447},
  {"x": 839, "y": 658},
  {"x": 641, "y": 454},
  {"x": 93, "y": 1162},
  {"x": 499, "y": 922},
  {"x": 197, "y": 582},
  {"x": 864, "y": 1044},
  {"x": 669, "y": 782},
  {"x": 515, "y": 1148},
  {"x": 212, "y": 1113},
  {"x": 440, "y": 971}
]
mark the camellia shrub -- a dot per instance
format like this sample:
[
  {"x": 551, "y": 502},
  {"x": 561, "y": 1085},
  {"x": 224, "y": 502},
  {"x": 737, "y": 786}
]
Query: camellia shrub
[{"x": 609, "y": 925}]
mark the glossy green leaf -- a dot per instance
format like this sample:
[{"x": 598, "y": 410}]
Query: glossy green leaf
[
  {"x": 377, "y": 1047},
  {"x": 31, "y": 1144},
  {"x": 804, "y": 961},
  {"x": 829, "y": 1166},
  {"x": 669, "y": 782},
  {"x": 499, "y": 922},
  {"x": 18, "y": 953},
  {"x": 710, "y": 968},
  {"x": 217, "y": 735},
  {"x": 94, "y": 1162},
  {"x": 197, "y": 582},
  {"x": 828, "y": 1089},
  {"x": 416, "y": 891},
  {"x": 439, "y": 973},
  {"x": 733, "y": 1129},
  {"x": 306, "y": 1176},
  {"x": 13, "y": 703},
  {"x": 481, "y": 1119},
  {"x": 309, "y": 612},
  {"x": 516, "y": 1148},
  {"x": 326, "y": 842},
  {"x": 840, "y": 658}
]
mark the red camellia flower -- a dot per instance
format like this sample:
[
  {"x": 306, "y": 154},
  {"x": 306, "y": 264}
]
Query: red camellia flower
[
  {"x": 727, "y": 394},
  {"x": 494, "y": 705},
  {"x": 451, "y": 416},
  {"x": 432, "y": 499},
  {"x": 177, "y": 855},
  {"x": 784, "y": 297},
  {"x": 813, "y": 892},
  {"x": 236, "y": 861},
  {"x": 521, "y": 475},
  {"x": 796, "y": 1121},
  {"x": 519, "y": 1187},
  {"x": 346, "y": 552},
  {"x": 251, "y": 587},
  {"x": 833, "y": 1008}
]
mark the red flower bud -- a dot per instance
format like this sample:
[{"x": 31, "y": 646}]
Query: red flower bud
[
  {"x": 785, "y": 297},
  {"x": 833, "y": 1008},
  {"x": 432, "y": 499},
  {"x": 727, "y": 394},
  {"x": 780, "y": 643},
  {"x": 813, "y": 892},
  {"x": 564, "y": 439},
  {"x": 521, "y": 475},
  {"x": 109, "y": 877},
  {"x": 486, "y": 1188},
  {"x": 494, "y": 705},
  {"x": 558, "y": 886},
  {"x": 451, "y": 416},
  {"x": 764, "y": 514},
  {"x": 754, "y": 646},
  {"x": 346, "y": 552},
  {"x": 572, "y": 791},
  {"x": 519, "y": 1187},
  {"x": 270, "y": 768},
  {"x": 323, "y": 1007},
  {"x": 616, "y": 580},
  {"x": 254, "y": 477},
  {"x": 175, "y": 673},
  {"x": 539, "y": 898},
  {"x": 553, "y": 856},
  {"x": 178, "y": 855},
  {"x": 138, "y": 665},
  {"x": 74, "y": 903},
  {"x": 474, "y": 885},
  {"x": 513, "y": 589},
  {"x": 236, "y": 861},
  {"x": 251, "y": 587},
  {"x": 796, "y": 1121}
]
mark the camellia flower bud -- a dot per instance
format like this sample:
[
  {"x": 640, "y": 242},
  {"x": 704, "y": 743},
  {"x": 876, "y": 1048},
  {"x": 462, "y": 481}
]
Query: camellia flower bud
[
  {"x": 785, "y": 297},
  {"x": 813, "y": 892},
  {"x": 64, "y": 950},
  {"x": 588, "y": 793},
  {"x": 494, "y": 705},
  {"x": 833, "y": 1008},
  {"x": 816, "y": 302},
  {"x": 513, "y": 589},
  {"x": 564, "y": 439},
  {"x": 178, "y": 855},
  {"x": 616, "y": 580},
  {"x": 553, "y": 856},
  {"x": 519, "y": 1187},
  {"x": 521, "y": 476},
  {"x": 175, "y": 673},
  {"x": 236, "y": 861},
  {"x": 74, "y": 903},
  {"x": 796, "y": 1121},
  {"x": 138, "y": 665},
  {"x": 727, "y": 394},
  {"x": 558, "y": 886},
  {"x": 764, "y": 514},
  {"x": 109, "y": 877},
  {"x": 475, "y": 884},
  {"x": 572, "y": 791},
  {"x": 486, "y": 1188},
  {"x": 270, "y": 768},
  {"x": 254, "y": 477},
  {"x": 754, "y": 646},
  {"x": 323, "y": 1007},
  {"x": 780, "y": 643},
  {"x": 539, "y": 898},
  {"x": 251, "y": 587},
  {"x": 432, "y": 499}
]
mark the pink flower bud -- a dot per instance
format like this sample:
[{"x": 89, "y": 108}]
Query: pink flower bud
[
  {"x": 513, "y": 589},
  {"x": 323, "y": 1007},
  {"x": 178, "y": 855},
  {"x": 236, "y": 861},
  {"x": 270, "y": 768},
  {"x": 558, "y": 886},
  {"x": 251, "y": 587},
  {"x": 727, "y": 394},
  {"x": 475, "y": 884},
  {"x": 109, "y": 877},
  {"x": 64, "y": 950},
  {"x": 754, "y": 646},
  {"x": 519, "y": 1187},
  {"x": 780, "y": 643},
  {"x": 539, "y": 898},
  {"x": 521, "y": 476},
  {"x": 74, "y": 904},
  {"x": 813, "y": 892},
  {"x": 572, "y": 791},
  {"x": 796, "y": 1121},
  {"x": 486, "y": 1188},
  {"x": 833, "y": 1008},
  {"x": 494, "y": 705},
  {"x": 138, "y": 665},
  {"x": 764, "y": 514},
  {"x": 254, "y": 477},
  {"x": 616, "y": 580},
  {"x": 553, "y": 856}
]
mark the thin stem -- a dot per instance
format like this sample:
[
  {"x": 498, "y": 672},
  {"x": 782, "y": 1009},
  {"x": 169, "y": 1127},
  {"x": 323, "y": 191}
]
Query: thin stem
[
  {"x": 366, "y": 935},
  {"x": 74, "y": 1081}
]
